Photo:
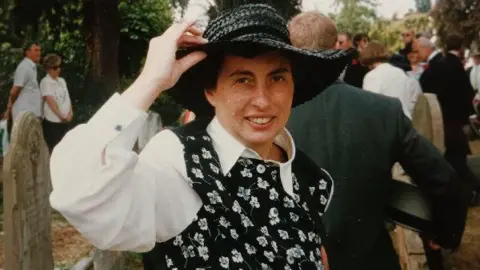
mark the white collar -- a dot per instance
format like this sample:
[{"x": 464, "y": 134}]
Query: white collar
[
  {"x": 229, "y": 150},
  {"x": 29, "y": 61},
  {"x": 433, "y": 54},
  {"x": 52, "y": 79},
  {"x": 456, "y": 53}
]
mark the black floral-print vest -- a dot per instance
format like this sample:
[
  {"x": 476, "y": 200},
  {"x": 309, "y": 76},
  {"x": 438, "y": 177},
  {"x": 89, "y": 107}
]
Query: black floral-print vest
[{"x": 247, "y": 220}]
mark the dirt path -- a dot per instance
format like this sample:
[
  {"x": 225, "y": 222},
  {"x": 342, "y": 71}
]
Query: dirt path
[{"x": 67, "y": 243}]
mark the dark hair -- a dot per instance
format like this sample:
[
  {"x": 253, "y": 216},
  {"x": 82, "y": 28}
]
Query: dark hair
[
  {"x": 454, "y": 42},
  {"x": 347, "y": 34},
  {"x": 358, "y": 38},
  {"x": 213, "y": 64},
  {"x": 28, "y": 46},
  {"x": 408, "y": 48}
]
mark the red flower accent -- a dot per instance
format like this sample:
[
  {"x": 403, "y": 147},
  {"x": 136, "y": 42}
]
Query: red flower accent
[
  {"x": 425, "y": 66},
  {"x": 354, "y": 62}
]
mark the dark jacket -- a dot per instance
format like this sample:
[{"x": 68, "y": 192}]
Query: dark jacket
[
  {"x": 446, "y": 77},
  {"x": 357, "y": 136},
  {"x": 355, "y": 72}
]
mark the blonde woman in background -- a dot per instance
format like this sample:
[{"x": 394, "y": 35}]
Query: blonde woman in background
[{"x": 57, "y": 109}]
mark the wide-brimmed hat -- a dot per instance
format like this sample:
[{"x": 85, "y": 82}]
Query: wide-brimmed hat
[{"x": 249, "y": 28}]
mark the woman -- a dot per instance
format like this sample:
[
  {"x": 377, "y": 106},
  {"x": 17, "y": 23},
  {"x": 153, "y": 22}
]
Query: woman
[
  {"x": 57, "y": 109},
  {"x": 417, "y": 68},
  {"x": 228, "y": 190},
  {"x": 387, "y": 79}
]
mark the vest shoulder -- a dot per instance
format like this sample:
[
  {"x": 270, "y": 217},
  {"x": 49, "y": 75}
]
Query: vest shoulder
[{"x": 195, "y": 127}]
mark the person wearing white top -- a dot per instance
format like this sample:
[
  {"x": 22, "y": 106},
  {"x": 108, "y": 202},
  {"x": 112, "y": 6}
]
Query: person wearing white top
[
  {"x": 475, "y": 71},
  {"x": 57, "y": 108},
  {"x": 387, "y": 79},
  {"x": 190, "y": 189}
]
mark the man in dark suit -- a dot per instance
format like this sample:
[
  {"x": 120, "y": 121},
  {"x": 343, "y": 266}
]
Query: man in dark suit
[
  {"x": 446, "y": 77},
  {"x": 357, "y": 136},
  {"x": 354, "y": 72}
]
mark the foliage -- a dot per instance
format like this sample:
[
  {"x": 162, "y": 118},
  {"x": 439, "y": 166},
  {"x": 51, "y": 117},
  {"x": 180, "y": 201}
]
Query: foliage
[
  {"x": 458, "y": 16},
  {"x": 286, "y": 8},
  {"x": 141, "y": 20},
  {"x": 355, "y": 16},
  {"x": 388, "y": 31},
  {"x": 423, "y": 5},
  {"x": 60, "y": 29}
]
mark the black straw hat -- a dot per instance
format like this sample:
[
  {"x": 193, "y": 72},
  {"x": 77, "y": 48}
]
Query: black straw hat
[{"x": 250, "y": 28}]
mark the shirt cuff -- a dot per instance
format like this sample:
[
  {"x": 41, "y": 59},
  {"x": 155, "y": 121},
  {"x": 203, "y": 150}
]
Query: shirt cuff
[{"x": 119, "y": 122}]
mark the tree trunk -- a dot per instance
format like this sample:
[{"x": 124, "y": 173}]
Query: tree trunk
[{"x": 102, "y": 36}]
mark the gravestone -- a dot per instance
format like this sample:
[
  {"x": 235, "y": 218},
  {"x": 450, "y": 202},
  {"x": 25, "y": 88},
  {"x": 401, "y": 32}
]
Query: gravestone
[
  {"x": 427, "y": 120},
  {"x": 27, "y": 186},
  {"x": 109, "y": 260}
]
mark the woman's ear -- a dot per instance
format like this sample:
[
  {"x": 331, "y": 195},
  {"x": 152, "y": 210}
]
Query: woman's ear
[{"x": 210, "y": 96}]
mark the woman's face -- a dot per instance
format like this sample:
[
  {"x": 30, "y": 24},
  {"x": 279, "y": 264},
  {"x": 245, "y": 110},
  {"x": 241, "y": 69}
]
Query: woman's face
[
  {"x": 55, "y": 71},
  {"x": 253, "y": 98},
  {"x": 413, "y": 58}
]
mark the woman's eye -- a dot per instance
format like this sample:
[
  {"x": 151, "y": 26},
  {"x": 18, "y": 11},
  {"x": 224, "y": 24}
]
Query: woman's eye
[
  {"x": 242, "y": 80},
  {"x": 278, "y": 78}
]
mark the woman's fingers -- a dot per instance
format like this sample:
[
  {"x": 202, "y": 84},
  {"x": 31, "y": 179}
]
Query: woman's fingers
[
  {"x": 189, "y": 61},
  {"x": 189, "y": 39},
  {"x": 194, "y": 31},
  {"x": 178, "y": 29}
]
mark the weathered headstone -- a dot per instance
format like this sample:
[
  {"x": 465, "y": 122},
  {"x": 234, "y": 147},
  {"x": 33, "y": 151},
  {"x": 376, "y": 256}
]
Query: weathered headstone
[
  {"x": 109, "y": 260},
  {"x": 427, "y": 120},
  {"x": 27, "y": 212}
]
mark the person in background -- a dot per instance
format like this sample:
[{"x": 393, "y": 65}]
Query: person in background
[
  {"x": 400, "y": 59},
  {"x": 417, "y": 68},
  {"x": 360, "y": 41},
  {"x": 445, "y": 77},
  {"x": 25, "y": 93},
  {"x": 357, "y": 136},
  {"x": 354, "y": 72},
  {"x": 57, "y": 107},
  {"x": 344, "y": 41},
  {"x": 474, "y": 71},
  {"x": 387, "y": 79}
]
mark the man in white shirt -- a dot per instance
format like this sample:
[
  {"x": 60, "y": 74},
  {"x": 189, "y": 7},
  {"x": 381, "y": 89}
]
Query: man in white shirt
[{"x": 25, "y": 93}]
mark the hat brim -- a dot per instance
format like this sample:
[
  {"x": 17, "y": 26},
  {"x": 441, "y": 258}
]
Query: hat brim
[{"x": 313, "y": 71}]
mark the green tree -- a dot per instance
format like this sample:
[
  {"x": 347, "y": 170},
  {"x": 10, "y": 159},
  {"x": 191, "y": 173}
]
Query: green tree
[
  {"x": 388, "y": 31},
  {"x": 457, "y": 16},
  {"x": 423, "y": 5},
  {"x": 355, "y": 16},
  {"x": 287, "y": 8}
]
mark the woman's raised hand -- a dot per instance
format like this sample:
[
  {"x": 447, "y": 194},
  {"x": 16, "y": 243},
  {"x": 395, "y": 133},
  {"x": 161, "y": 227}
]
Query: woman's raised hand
[
  {"x": 161, "y": 66},
  {"x": 162, "y": 70}
]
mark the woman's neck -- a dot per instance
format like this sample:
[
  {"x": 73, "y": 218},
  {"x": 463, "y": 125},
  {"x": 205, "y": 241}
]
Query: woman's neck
[
  {"x": 53, "y": 75},
  {"x": 270, "y": 152}
]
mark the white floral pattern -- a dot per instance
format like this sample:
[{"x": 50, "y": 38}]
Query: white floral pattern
[{"x": 247, "y": 221}]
